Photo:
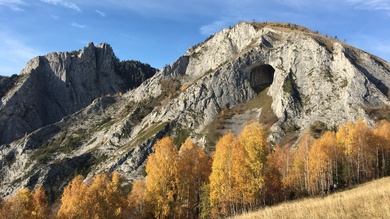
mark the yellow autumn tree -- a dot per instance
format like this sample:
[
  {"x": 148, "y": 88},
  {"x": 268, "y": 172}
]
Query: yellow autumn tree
[
  {"x": 161, "y": 168},
  {"x": 254, "y": 143},
  {"x": 298, "y": 177},
  {"x": 116, "y": 197},
  {"x": 73, "y": 203},
  {"x": 41, "y": 206},
  {"x": 221, "y": 183},
  {"x": 105, "y": 197},
  {"x": 2, "y": 210},
  {"x": 22, "y": 204},
  {"x": 137, "y": 205},
  {"x": 25, "y": 205},
  {"x": 273, "y": 188},
  {"x": 345, "y": 162},
  {"x": 284, "y": 160},
  {"x": 241, "y": 177},
  {"x": 381, "y": 142},
  {"x": 194, "y": 168},
  {"x": 354, "y": 139},
  {"x": 365, "y": 152},
  {"x": 322, "y": 161}
]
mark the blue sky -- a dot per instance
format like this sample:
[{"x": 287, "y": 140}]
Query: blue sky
[{"x": 159, "y": 31}]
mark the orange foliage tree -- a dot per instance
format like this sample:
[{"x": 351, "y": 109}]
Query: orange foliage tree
[
  {"x": 273, "y": 188},
  {"x": 104, "y": 198},
  {"x": 237, "y": 176},
  {"x": 25, "y": 205},
  {"x": 137, "y": 201},
  {"x": 73, "y": 203},
  {"x": 161, "y": 180},
  {"x": 194, "y": 168},
  {"x": 381, "y": 144},
  {"x": 221, "y": 195},
  {"x": 323, "y": 160},
  {"x": 253, "y": 142},
  {"x": 355, "y": 139},
  {"x": 298, "y": 176}
]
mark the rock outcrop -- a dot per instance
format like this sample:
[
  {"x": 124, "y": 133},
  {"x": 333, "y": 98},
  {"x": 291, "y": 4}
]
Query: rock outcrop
[
  {"x": 59, "y": 84},
  {"x": 6, "y": 83},
  {"x": 282, "y": 75}
]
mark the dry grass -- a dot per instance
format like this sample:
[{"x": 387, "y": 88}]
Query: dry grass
[{"x": 370, "y": 200}]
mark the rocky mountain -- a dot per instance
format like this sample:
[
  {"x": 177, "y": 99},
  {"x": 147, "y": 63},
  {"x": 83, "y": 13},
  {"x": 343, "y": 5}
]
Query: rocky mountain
[
  {"x": 59, "y": 84},
  {"x": 285, "y": 76}
]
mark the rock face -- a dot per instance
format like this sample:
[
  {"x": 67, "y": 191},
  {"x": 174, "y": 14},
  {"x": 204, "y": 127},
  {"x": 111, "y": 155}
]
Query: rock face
[
  {"x": 59, "y": 84},
  {"x": 280, "y": 74},
  {"x": 6, "y": 83}
]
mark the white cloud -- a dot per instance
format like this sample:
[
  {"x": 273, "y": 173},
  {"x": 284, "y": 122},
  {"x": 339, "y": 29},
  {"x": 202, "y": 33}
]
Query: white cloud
[
  {"x": 377, "y": 45},
  {"x": 74, "y": 24},
  {"x": 295, "y": 3},
  {"x": 13, "y": 4},
  {"x": 381, "y": 48},
  {"x": 212, "y": 28},
  {"x": 62, "y": 3},
  {"x": 101, "y": 13},
  {"x": 15, "y": 53},
  {"x": 164, "y": 9},
  {"x": 380, "y": 5},
  {"x": 55, "y": 17}
]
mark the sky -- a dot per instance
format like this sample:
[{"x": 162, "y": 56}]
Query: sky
[{"x": 158, "y": 32}]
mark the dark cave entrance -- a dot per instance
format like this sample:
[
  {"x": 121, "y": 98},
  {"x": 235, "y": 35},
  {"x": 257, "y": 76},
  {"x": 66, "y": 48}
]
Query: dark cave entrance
[{"x": 261, "y": 77}]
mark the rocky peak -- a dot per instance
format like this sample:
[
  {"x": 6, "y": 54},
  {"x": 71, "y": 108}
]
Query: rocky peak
[
  {"x": 59, "y": 84},
  {"x": 310, "y": 77}
]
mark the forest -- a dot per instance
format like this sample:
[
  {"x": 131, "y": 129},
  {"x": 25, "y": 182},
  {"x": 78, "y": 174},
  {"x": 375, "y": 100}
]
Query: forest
[{"x": 243, "y": 174}]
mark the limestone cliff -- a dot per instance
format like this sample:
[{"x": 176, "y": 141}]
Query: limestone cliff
[
  {"x": 282, "y": 75},
  {"x": 59, "y": 84}
]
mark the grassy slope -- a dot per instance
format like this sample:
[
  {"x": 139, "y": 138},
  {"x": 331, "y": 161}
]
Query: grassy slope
[{"x": 370, "y": 200}]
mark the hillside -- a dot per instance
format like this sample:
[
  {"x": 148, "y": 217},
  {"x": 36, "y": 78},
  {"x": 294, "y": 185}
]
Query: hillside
[
  {"x": 370, "y": 200},
  {"x": 282, "y": 75}
]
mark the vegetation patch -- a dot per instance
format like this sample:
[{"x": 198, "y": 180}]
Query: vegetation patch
[
  {"x": 282, "y": 26},
  {"x": 133, "y": 72},
  {"x": 289, "y": 138},
  {"x": 145, "y": 134},
  {"x": 379, "y": 113},
  {"x": 328, "y": 76},
  {"x": 170, "y": 88},
  {"x": 290, "y": 87},
  {"x": 325, "y": 42},
  {"x": 48, "y": 149},
  {"x": 181, "y": 135},
  {"x": 73, "y": 142},
  {"x": 317, "y": 129},
  {"x": 344, "y": 83},
  {"x": 106, "y": 122}
]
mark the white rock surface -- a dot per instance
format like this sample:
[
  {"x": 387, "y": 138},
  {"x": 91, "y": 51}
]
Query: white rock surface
[{"x": 329, "y": 81}]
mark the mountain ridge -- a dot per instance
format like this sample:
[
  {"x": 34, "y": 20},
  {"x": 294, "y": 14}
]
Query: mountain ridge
[
  {"x": 275, "y": 73},
  {"x": 59, "y": 84}
]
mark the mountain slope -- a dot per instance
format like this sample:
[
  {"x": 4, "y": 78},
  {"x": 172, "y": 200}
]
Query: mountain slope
[
  {"x": 283, "y": 75},
  {"x": 370, "y": 200}
]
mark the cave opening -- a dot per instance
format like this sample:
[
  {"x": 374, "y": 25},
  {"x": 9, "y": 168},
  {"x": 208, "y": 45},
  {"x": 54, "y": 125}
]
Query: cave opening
[{"x": 261, "y": 77}]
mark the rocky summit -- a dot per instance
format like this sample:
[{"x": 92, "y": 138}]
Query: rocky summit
[
  {"x": 59, "y": 84},
  {"x": 85, "y": 112}
]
